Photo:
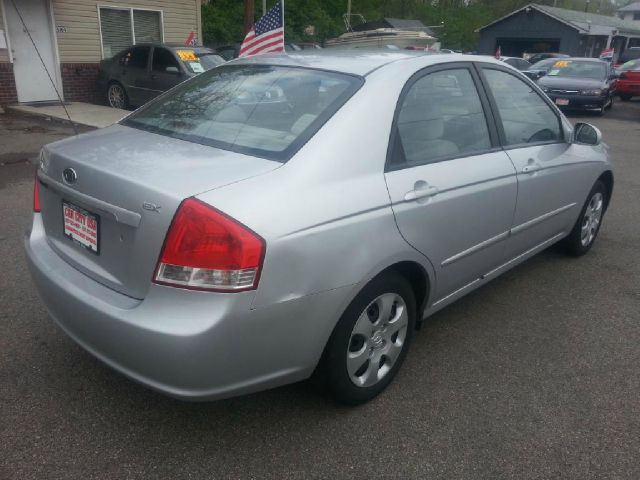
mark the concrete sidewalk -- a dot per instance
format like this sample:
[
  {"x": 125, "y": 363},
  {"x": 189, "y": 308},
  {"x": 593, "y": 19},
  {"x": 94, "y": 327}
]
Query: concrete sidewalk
[{"x": 96, "y": 116}]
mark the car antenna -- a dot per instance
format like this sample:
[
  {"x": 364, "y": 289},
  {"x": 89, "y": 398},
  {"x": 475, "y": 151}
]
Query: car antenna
[{"x": 24, "y": 25}]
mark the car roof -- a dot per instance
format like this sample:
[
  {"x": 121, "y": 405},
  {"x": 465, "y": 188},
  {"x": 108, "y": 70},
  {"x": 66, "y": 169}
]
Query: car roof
[
  {"x": 174, "y": 46},
  {"x": 356, "y": 61},
  {"x": 583, "y": 59}
]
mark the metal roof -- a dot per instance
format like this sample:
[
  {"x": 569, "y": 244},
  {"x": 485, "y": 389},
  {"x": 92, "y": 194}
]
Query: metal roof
[
  {"x": 632, "y": 7},
  {"x": 584, "y": 22}
]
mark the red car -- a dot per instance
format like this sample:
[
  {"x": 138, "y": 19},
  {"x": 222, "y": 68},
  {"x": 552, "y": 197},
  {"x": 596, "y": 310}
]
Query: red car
[{"x": 629, "y": 80}]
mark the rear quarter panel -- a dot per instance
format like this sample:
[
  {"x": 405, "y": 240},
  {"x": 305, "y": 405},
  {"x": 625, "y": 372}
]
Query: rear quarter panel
[{"x": 325, "y": 215}]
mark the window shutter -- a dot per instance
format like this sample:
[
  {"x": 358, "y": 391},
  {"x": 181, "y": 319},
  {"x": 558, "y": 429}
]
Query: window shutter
[
  {"x": 146, "y": 25},
  {"x": 116, "y": 30}
]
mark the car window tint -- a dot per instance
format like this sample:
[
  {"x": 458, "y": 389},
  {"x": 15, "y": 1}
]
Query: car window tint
[
  {"x": 262, "y": 110},
  {"x": 441, "y": 116},
  {"x": 525, "y": 116},
  {"x": 163, "y": 58},
  {"x": 137, "y": 57}
]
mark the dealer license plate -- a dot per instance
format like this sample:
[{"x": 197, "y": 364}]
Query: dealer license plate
[
  {"x": 81, "y": 226},
  {"x": 562, "y": 102}
]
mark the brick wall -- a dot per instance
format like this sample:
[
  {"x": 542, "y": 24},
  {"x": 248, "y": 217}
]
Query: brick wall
[
  {"x": 8, "y": 92},
  {"x": 79, "y": 82}
]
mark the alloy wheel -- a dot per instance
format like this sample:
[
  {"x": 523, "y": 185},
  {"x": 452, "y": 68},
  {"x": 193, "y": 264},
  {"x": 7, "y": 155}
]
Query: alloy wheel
[
  {"x": 591, "y": 219},
  {"x": 377, "y": 340},
  {"x": 116, "y": 96}
]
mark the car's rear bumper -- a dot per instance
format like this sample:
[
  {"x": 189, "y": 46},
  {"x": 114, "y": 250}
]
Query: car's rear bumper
[
  {"x": 191, "y": 345},
  {"x": 579, "y": 102}
]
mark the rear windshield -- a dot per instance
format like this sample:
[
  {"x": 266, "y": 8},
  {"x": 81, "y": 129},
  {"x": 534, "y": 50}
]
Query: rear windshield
[{"x": 262, "y": 110}]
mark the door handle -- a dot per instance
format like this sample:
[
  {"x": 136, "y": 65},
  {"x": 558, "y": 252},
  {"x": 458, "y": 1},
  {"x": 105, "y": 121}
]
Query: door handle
[
  {"x": 421, "y": 189},
  {"x": 531, "y": 166}
]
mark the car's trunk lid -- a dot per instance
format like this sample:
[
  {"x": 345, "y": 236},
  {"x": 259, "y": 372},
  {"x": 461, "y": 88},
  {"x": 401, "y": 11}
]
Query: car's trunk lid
[{"x": 133, "y": 181}]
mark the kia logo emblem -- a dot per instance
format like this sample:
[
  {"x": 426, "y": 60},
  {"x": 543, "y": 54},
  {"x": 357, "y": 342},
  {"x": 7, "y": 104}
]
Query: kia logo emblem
[{"x": 69, "y": 176}]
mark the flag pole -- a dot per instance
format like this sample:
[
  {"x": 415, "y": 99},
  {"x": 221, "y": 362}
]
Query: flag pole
[{"x": 283, "y": 30}]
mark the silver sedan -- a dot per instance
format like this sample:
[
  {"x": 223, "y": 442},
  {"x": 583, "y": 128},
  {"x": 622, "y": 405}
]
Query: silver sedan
[{"x": 284, "y": 216}]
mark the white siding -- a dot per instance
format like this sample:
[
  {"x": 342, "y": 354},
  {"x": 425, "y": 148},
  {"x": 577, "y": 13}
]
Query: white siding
[{"x": 81, "y": 41}]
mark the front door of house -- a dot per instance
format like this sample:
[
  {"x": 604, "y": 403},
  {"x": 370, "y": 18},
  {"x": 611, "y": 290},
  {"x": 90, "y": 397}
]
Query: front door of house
[{"x": 34, "y": 81}]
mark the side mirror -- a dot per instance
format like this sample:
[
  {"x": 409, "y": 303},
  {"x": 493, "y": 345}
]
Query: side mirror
[
  {"x": 587, "y": 134},
  {"x": 172, "y": 69}
]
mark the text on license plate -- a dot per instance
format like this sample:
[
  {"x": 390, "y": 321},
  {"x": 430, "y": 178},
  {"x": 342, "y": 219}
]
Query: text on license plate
[
  {"x": 81, "y": 226},
  {"x": 562, "y": 101}
]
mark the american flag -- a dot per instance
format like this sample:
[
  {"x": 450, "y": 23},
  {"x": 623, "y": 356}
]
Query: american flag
[{"x": 267, "y": 35}]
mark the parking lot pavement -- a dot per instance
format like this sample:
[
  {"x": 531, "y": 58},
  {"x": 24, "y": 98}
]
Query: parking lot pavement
[{"x": 535, "y": 376}]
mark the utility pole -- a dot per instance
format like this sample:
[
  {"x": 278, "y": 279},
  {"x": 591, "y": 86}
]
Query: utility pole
[
  {"x": 349, "y": 9},
  {"x": 586, "y": 5},
  {"x": 249, "y": 13},
  {"x": 264, "y": 7}
]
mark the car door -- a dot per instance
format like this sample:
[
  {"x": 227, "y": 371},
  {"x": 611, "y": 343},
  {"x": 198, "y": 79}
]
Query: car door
[
  {"x": 166, "y": 72},
  {"x": 133, "y": 71},
  {"x": 452, "y": 189},
  {"x": 550, "y": 171}
]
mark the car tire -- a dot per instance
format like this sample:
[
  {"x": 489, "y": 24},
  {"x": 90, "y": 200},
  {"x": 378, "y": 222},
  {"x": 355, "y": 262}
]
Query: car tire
[
  {"x": 370, "y": 341},
  {"x": 117, "y": 96},
  {"x": 611, "y": 100},
  {"x": 586, "y": 229},
  {"x": 625, "y": 97},
  {"x": 602, "y": 110}
]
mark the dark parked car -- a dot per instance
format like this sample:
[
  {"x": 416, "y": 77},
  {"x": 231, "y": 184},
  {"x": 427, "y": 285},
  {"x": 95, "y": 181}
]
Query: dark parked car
[
  {"x": 536, "y": 57},
  {"x": 142, "y": 72},
  {"x": 516, "y": 62},
  {"x": 538, "y": 70},
  {"x": 580, "y": 83}
]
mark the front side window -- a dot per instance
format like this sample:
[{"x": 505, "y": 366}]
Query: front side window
[
  {"x": 525, "y": 116},
  {"x": 441, "y": 116},
  {"x": 117, "y": 27},
  {"x": 262, "y": 110},
  {"x": 163, "y": 59}
]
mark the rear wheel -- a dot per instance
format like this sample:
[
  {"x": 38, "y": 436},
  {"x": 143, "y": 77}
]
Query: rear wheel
[
  {"x": 587, "y": 227},
  {"x": 625, "y": 97},
  {"x": 370, "y": 342},
  {"x": 117, "y": 96}
]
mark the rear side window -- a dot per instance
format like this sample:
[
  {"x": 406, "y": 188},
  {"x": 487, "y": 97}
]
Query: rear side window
[
  {"x": 261, "y": 110},
  {"x": 137, "y": 57},
  {"x": 441, "y": 116},
  {"x": 525, "y": 116}
]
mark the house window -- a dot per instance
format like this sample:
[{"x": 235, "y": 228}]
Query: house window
[
  {"x": 122, "y": 27},
  {"x": 636, "y": 15}
]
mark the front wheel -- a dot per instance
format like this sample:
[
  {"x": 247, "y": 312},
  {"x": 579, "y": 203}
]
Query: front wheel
[
  {"x": 370, "y": 342},
  {"x": 625, "y": 97},
  {"x": 587, "y": 227}
]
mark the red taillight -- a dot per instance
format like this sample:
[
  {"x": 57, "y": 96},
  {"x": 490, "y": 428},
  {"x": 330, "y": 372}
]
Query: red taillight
[
  {"x": 36, "y": 195},
  {"x": 207, "y": 250}
]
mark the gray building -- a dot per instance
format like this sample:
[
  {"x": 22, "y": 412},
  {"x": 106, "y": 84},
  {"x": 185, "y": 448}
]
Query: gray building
[
  {"x": 539, "y": 28},
  {"x": 630, "y": 13}
]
